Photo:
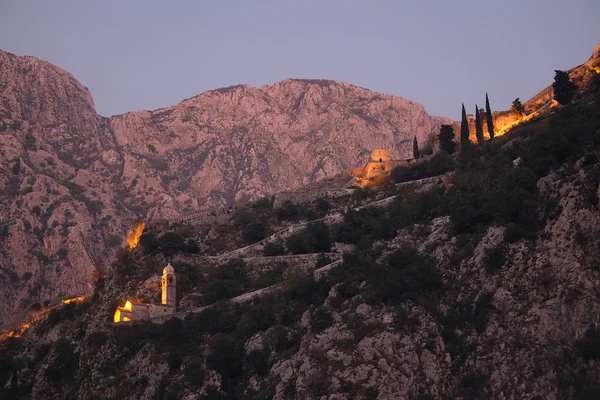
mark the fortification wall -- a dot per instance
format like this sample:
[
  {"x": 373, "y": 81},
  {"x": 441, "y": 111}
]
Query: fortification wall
[
  {"x": 218, "y": 216},
  {"x": 308, "y": 196}
]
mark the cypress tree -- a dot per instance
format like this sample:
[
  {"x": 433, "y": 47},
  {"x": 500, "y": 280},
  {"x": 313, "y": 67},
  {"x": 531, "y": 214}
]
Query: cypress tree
[
  {"x": 563, "y": 87},
  {"x": 488, "y": 117},
  {"x": 416, "y": 154},
  {"x": 464, "y": 127},
  {"x": 478, "y": 127},
  {"x": 446, "y": 139}
]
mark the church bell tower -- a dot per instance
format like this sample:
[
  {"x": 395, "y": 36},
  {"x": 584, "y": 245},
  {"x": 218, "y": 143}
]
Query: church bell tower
[{"x": 168, "y": 286}]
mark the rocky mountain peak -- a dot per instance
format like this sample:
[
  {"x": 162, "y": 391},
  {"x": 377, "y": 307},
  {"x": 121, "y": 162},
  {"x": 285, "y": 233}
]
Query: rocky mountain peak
[{"x": 73, "y": 182}]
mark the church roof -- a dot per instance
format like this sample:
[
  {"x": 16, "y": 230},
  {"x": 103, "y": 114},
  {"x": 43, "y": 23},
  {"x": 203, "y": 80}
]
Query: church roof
[{"x": 169, "y": 269}]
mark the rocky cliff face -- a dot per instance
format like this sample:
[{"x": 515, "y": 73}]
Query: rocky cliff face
[{"x": 73, "y": 181}]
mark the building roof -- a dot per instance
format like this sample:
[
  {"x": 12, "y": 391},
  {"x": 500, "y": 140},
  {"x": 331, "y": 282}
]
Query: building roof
[{"x": 169, "y": 269}]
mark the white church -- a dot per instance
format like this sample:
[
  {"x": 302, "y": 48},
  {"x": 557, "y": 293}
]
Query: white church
[{"x": 135, "y": 311}]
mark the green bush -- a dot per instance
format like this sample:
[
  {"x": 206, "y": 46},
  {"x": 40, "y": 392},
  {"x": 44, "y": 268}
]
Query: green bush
[
  {"x": 255, "y": 231},
  {"x": 320, "y": 319},
  {"x": 195, "y": 372},
  {"x": 322, "y": 260},
  {"x": 439, "y": 164},
  {"x": 494, "y": 258},
  {"x": 192, "y": 246},
  {"x": 404, "y": 276},
  {"x": 64, "y": 362},
  {"x": 416, "y": 208},
  {"x": 96, "y": 339},
  {"x": 172, "y": 243},
  {"x": 571, "y": 131},
  {"x": 489, "y": 189},
  {"x": 369, "y": 222},
  {"x": 256, "y": 362},
  {"x": 273, "y": 249},
  {"x": 313, "y": 239},
  {"x": 226, "y": 355},
  {"x": 589, "y": 345},
  {"x": 293, "y": 212}
]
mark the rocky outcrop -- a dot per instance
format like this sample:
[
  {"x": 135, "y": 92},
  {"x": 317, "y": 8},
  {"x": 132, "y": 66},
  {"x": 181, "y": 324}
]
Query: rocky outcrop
[
  {"x": 509, "y": 324},
  {"x": 72, "y": 182}
]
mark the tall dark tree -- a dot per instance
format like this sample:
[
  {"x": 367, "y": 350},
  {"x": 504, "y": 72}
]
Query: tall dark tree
[
  {"x": 488, "y": 117},
  {"x": 563, "y": 87},
  {"x": 478, "y": 127},
  {"x": 517, "y": 109},
  {"x": 446, "y": 139},
  {"x": 416, "y": 154},
  {"x": 464, "y": 127}
]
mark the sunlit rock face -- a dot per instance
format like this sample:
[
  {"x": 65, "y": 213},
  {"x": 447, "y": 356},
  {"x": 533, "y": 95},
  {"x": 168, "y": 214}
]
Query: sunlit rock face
[{"x": 72, "y": 182}]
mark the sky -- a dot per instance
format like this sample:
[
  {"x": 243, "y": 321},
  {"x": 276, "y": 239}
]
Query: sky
[{"x": 146, "y": 54}]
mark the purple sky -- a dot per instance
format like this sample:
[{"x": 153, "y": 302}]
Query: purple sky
[{"x": 143, "y": 54}]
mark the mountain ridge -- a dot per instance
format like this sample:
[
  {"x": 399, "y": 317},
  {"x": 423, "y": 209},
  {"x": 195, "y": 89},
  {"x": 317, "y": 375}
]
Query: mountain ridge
[{"x": 74, "y": 181}]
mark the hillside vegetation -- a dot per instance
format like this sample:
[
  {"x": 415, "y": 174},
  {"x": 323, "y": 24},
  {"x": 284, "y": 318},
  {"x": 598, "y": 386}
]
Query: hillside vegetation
[{"x": 481, "y": 283}]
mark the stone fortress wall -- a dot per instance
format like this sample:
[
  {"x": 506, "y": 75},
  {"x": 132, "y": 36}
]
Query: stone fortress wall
[{"x": 215, "y": 215}]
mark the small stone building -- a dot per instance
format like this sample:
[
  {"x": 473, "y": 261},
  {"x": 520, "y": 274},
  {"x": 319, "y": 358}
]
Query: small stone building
[
  {"x": 135, "y": 311},
  {"x": 377, "y": 171}
]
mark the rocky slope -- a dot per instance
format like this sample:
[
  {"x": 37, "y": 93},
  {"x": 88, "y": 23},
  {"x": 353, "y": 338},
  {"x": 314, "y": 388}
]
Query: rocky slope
[
  {"x": 483, "y": 284},
  {"x": 72, "y": 182}
]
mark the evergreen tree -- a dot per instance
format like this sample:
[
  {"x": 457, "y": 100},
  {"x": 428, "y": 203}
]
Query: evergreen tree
[
  {"x": 416, "y": 154},
  {"x": 488, "y": 117},
  {"x": 478, "y": 127},
  {"x": 464, "y": 127},
  {"x": 563, "y": 87},
  {"x": 446, "y": 139},
  {"x": 517, "y": 109}
]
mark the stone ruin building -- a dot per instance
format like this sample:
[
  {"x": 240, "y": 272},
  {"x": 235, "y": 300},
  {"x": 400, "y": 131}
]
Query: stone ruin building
[
  {"x": 135, "y": 311},
  {"x": 377, "y": 171}
]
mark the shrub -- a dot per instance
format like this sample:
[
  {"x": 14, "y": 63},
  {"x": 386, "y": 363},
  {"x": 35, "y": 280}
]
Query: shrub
[
  {"x": 64, "y": 362},
  {"x": 17, "y": 167},
  {"x": 439, "y": 164},
  {"x": 589, "y": 345},
  {"x": 370, "y": 222},
  {"x": 570, "y": 132},
  {"x": 322, "y": 206},
  {"x": 473, "y": 385},
  {"x": 494, "y": 258},
  {"x": 489, "y": 189},
  {"x": 195, "y": 372},
  {"x": 257, "y": 362},
  {"x": 417, "y": 208},
  {"x": 149, "y": 242},
  {"x": 322, "y": 260},
  {"x": 313, "y": 239},
  {"x": 96, "y": 339},
  {"x": 404, "y": 276},
  {"x": 255, "y": 231},
  {"x": 226, "y": 355},
  {"x": 320, "y": 320},
  {"x": 288, "y": 212},
  {"x": 273, "y": 249},
  {"x": 192, "y": 246},
  {"x": 303, "y": 287},
  {"x": 172, "y": 243}
]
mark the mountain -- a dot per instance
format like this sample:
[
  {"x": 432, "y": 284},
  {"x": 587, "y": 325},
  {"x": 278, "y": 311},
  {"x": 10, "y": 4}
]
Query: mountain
[
  {"x": 481, "y": 283},
  {"x": 73, "y": 182}
]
